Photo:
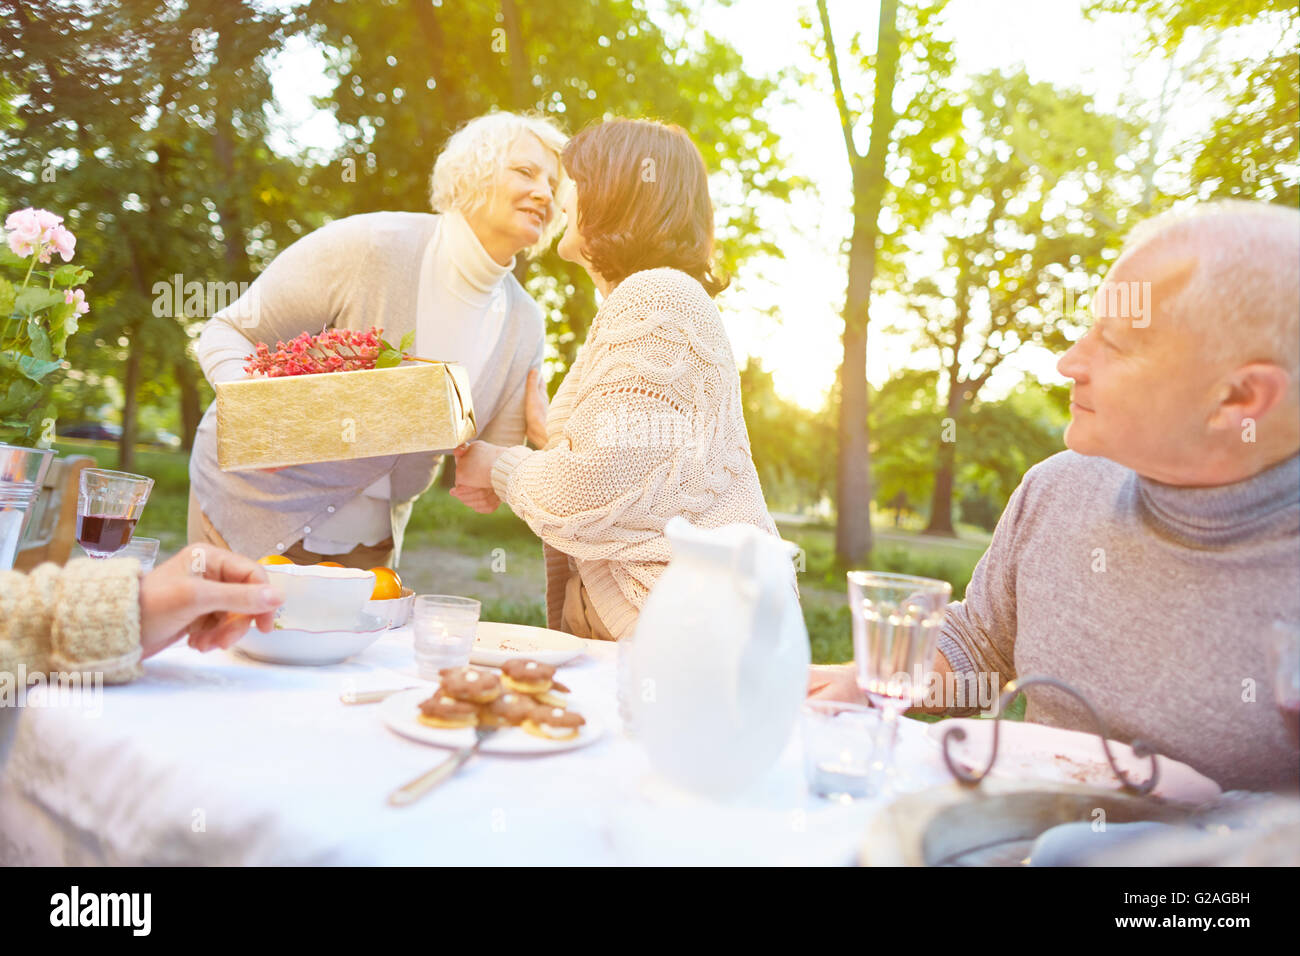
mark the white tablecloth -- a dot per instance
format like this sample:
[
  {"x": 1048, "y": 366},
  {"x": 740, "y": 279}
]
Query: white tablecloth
[{"x": 217, "y": 759}]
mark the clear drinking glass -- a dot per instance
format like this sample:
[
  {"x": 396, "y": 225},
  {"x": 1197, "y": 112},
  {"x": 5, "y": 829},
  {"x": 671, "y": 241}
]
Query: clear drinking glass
[
  {"x": 896, "y": 620},
  {"x": 839, "y": 749},
  {"x": 444, "y": 626},
  {"x": 144, "y": 550},
  {"x": 108, "y": 506}
]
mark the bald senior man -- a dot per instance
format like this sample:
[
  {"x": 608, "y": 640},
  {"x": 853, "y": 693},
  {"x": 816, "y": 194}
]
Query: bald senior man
[{"x": 1148, "y": 565}]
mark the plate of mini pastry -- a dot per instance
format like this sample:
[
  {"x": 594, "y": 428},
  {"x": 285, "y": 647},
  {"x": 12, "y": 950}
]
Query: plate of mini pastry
[
  {"x": 494, "y": 644},
  {"x": 527, "y": 707}
]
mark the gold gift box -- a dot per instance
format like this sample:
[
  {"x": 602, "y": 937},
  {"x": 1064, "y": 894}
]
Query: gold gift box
[{"x": 335, "y": 416}]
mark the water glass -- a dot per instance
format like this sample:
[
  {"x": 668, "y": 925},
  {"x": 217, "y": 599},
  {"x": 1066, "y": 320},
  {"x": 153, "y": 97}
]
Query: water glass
[
  {"x": 896, "y": 621},
  {"x": 840, "y": 744},
  {"x": 444, "y": 627},
  {"x": 144, "y": 550}
]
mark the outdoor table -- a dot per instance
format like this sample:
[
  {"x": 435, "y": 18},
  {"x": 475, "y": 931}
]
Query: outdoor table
[{"x": 217, "y": 759}]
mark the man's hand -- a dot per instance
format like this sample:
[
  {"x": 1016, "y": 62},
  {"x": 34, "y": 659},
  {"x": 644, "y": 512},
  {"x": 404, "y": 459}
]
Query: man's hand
[
  {"x": 474, "y": 464},
  {"x": 482, "y": 500},
  {"x": 207, "y": 591},
  {"x": 536, "y": 408},
  {"x": 835, "y": 682}
]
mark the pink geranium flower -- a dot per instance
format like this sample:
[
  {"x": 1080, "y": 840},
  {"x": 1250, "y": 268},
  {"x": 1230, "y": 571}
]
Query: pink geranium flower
[
  {"x": 39, "y": 231},
  {"x": 77, "y": 297}
]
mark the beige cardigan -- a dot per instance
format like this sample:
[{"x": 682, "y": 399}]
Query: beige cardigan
[
  {"x": 646, "y": 425},
  {"x": 84, "y": 616}
]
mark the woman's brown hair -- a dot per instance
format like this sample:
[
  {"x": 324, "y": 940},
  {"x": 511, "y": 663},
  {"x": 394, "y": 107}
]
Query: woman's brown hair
[{"x": 643, "y": 200}]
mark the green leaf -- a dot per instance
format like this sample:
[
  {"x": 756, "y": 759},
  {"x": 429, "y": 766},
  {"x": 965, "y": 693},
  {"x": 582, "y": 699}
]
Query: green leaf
[
  {"x": 40, "y": 341},
  {"x": 37, "y": 369},
  {"x": 33, "y": 299},
  {"x": 408, "y": 342},
  {"x": 8, "y": 258},
  {"x": 388, "y": 359},
  {"x": 7, "y": 295},
  {"x": 63, "y": 323},
  {"x": 67, "y": 275}
]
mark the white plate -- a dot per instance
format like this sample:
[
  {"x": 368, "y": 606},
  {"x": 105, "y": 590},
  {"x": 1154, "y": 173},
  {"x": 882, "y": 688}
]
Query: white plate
[
  {"x": 312, "y": 648},
  {"x": 401, "y": 713},
  {"x": 494, "y": 644},
  {"x": 1039, "y": 752}
]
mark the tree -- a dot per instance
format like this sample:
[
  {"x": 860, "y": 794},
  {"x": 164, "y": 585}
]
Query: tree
[
  {"x": 147, "y": 130},
  {"x": 410, "y": 74},
  {"x": 903, "y": 153},
  {"x": 1031, "y": 209},
  {"x": 1249, "y": 149},
  {"x": 853, "y": 485}
]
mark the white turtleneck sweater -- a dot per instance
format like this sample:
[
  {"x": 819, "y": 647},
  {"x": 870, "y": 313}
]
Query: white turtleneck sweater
[{"x": 461, "y": 308}]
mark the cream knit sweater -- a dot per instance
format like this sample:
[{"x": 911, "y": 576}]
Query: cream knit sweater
[
  {"x": 646, "y": 425},
  {"x": 84, "y": 616}
]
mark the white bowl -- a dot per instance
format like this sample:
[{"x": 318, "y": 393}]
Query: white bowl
[
  {"x": 320, "y": 599},
  {"x": 396, "y": 610},
  {"x": 313, "y": 648}
]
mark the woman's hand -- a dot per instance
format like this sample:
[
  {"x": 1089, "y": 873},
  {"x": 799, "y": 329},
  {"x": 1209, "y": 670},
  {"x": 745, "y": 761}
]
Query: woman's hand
[
  {"x": 482, "y": 500},
  {"x": 536, "y": 408},
  {"x": 207, "y": 591},
  {"x": 474, "y": 463}
]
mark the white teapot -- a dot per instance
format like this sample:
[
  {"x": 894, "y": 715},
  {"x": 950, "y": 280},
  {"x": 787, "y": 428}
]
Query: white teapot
[{"x": 718, "y": 665}]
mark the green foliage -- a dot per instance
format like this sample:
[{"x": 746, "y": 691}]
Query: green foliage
[
  {"x": 793, "y": 448},
  {"x": 35, "y": 323}
]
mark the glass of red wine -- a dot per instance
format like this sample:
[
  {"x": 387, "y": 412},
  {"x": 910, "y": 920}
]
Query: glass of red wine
[{"x": 108, "y": 507}]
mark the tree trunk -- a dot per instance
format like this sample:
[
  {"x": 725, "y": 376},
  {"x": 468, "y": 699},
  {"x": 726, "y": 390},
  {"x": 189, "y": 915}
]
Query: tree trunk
[
  {"x": 521, "y": 84},
  {"x": 946, "y": 460},
  {"x": 130, "y": 407},
  {"x": 191, "y": 411},
  {"x": 853, "y": 485},
  {"x": 853, "y": 492},
  {"x": 941, "y": 501},
  {"x": 223, "y": 148}
]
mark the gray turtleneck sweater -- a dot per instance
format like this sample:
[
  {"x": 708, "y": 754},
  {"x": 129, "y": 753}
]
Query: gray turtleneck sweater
[{"x": 1157, "y": 602}]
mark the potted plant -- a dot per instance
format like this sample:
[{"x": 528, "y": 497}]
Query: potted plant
[{"x": 39, "y": 309}]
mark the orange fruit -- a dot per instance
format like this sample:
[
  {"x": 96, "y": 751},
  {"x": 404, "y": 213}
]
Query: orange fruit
[
  {"x": 273, "y": 559},
  {"x": 328, "y": 564},
  {"x": 387, "y": 585}
]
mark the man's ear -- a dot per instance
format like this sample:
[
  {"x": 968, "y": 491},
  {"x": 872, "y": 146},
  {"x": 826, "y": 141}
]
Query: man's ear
[{"x": 1251, "y": 391}]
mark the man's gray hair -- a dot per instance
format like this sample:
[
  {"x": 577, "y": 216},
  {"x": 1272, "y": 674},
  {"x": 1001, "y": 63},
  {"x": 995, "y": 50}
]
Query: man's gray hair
[{"x": 1243, "y": 293}]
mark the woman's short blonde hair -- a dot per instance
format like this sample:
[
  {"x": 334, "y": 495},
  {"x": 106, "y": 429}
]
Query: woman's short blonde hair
[{"x": 476, "y": 154}]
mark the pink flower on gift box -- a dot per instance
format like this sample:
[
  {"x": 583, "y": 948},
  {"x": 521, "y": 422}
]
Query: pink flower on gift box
[{"x": 77, "y": 297}]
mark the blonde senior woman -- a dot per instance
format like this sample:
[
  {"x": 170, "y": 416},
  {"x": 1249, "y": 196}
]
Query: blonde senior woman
[
  {"x": 648, "y": 422},
  {"x": 448, "y": 277}
]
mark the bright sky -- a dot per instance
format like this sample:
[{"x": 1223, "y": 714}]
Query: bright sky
[{"x": 802, "y": 344}]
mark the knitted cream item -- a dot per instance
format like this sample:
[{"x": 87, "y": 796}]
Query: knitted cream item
[
  {"x": 646, "y": 425},
  {"x": 84, "y": 616}
]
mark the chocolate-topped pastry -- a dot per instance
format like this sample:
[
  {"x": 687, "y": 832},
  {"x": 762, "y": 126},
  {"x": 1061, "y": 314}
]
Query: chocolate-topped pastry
[
  {"x": 553, "y": 723},
  {"x": 527, "y": 677},
  {"x": 470, "y": 684},
  {"x": 447, "y": 712},
  {"x": 549, "y": 698},
  {"x": 508, "y": 710}
]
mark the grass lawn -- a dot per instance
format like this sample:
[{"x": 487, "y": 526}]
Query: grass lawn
[{"x": 440, "y": 524}]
